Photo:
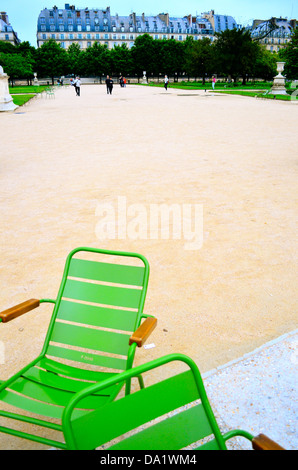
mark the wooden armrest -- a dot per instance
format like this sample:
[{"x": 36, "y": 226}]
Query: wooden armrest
[
  {"x": 262, "y": 442},
  {"x": 144, "y": 330},
  {"x": 18, "y": 310}
]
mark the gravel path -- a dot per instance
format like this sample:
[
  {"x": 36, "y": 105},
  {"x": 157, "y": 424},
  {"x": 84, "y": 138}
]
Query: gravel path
[{"x": 258, "y": 393}]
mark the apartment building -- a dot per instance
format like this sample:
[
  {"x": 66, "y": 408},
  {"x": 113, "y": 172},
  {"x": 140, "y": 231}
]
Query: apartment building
[
  {"x": 275, "y": 33},
  {"x": 86, "y": 26},
  {"x": 7, "y": 33}
]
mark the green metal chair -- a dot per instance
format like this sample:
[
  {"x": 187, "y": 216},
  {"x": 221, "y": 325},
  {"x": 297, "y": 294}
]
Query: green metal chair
[
  {"x": 94, "y": 330},
  {"x": 169, "y": 415}
]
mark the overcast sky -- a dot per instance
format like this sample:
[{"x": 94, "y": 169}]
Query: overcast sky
[{"x": 23, "y": 14}]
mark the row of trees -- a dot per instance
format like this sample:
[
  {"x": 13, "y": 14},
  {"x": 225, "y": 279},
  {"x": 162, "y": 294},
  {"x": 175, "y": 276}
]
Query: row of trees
[{"x": 233, "y": 54}]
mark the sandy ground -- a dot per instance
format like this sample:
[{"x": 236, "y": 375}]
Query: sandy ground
[{"x": 234, "y": 156}]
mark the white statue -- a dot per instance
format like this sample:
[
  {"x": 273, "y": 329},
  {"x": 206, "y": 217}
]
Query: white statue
[{"x": 6, "y": 102}]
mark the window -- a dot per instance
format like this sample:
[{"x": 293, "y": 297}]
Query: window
[
  {"x": 52, "y": 27},
  {"x": 42, "y": 20},
  {"x": 106, "y": 36},
  {"x": 88, "y": 44},
  {"x": 70, "y": 27},
  {"x": 44, "y": 36},
  {"x": 53, "y": 36},
  {"x": 62, "y": 36},
  {"x": 61, "y": 27}
]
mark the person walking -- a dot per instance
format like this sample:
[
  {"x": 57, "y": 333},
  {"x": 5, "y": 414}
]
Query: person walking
[
  {"x": 78, "y": 86},
  {"x": 213, "y": 82},
  {"x": 166, "y": 82},
  {"x": 109, "y": 84}
]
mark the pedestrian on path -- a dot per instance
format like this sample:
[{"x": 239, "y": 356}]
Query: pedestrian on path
[
  {"x": 109, "y": 84},
  {"x": 78, "y": 86},
  {"x": 213, "y": 82},
  {"x": 166, "y": 82}
]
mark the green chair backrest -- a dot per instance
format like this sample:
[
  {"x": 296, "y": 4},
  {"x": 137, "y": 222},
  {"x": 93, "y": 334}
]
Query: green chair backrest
[
  {"x": 182, "y": 398},
  {"x": 99, "y": 304}
]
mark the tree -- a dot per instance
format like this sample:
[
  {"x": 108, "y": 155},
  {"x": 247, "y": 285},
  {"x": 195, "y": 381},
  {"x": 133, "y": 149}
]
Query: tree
[
  {"x": 52, "y": 60},
  {"x": 199, "y": 59},
  {"x": 16, "y": 66},
  {"x": 236, "y": 53},
  {"x": 290, "y": 55},
  {"x": 265, "y": 66},
  {"x": 172, "y": 55},
  {"x": 95, "y": 60},
  {"x": 121, "y": 60},
  {"x": 75, "y": 59},
  {"x": 143, "y": 54}
]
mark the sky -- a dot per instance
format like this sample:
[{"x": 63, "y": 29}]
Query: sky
[{"x": 23, "y": 14}]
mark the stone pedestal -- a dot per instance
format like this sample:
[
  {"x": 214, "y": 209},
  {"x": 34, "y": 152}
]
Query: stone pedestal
[
  {"x": 279, "y": 81},
  {"x": 6, "y": 102},
  {"x": 144, "y": 79},
  {"x": 35, "y": 82}
]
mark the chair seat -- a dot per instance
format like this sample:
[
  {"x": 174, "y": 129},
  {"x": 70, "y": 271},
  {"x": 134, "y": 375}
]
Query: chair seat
[{"x": 47, "y": 387}]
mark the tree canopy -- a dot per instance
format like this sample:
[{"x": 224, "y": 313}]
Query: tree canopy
[{"x": 232, "y": 53}]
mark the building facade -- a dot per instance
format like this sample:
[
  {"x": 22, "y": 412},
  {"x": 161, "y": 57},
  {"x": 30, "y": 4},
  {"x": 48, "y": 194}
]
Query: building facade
[
  {"x": 275, "y": 33},
  {"x": 7, "y": 33},
  {"x": 87, "y": 26}
]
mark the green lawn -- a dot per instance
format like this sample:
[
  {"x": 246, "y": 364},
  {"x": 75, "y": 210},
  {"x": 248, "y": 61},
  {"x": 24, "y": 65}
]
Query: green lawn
[
  {"x": 22, "y": 94},
  {"x": 256, "y": 89},
  {"x": 26, "y": 89},
  {"x": 19, "y": 100},
  {"x": 257, "y": 93},
  {"x": 219, "y": 85}
]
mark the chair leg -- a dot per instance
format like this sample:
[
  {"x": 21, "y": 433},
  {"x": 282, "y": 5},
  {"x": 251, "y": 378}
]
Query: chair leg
[
  {"x": 141, "y": 381},
  {"x": 128, "y": 384}
]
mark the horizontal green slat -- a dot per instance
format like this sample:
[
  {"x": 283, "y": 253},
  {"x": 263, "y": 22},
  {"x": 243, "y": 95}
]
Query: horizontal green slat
[
  {"x": 53, "y": 396},
  {"x": 89, "y": 338},
  {"x": 87, "y": 358},
  {"x": 37, "y": 407},
  {"x": 69, "y": 371},
  {"x": 107, "y": 272},
  {"x": 97, "y": 316},
  {"x": 101, "y": 294},
  {"x": 135, "y": 410},
  {"x": 173, "y": 433},
  {"x": 33, "y": 406},
  {"x": 42, "y": 377}
]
